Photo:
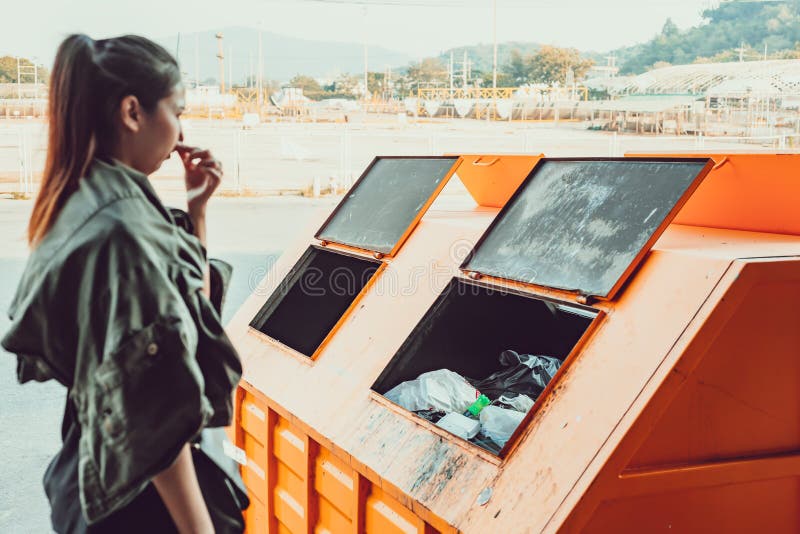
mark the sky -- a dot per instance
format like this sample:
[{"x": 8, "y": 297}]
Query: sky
[{"x": 418, "y": 28}]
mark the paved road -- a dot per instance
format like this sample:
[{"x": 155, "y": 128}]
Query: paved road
[{"x": 249, "y": 233}]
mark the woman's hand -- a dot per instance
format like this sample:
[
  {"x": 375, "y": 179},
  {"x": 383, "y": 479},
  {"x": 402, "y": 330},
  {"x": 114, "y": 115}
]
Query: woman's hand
[{"x": 203, "y": 176}]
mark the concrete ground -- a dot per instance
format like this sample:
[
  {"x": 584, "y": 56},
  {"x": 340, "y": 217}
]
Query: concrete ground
[{"x": 249, "y": 233}]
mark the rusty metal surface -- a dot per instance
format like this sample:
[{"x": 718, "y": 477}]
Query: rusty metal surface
[{"x": 577, "y": 421}]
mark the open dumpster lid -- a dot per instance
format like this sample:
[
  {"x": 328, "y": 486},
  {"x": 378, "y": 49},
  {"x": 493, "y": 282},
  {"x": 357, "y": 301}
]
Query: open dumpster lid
[
  {"x": 584, "y": 224},
  {"x": 386, "y": 202}
]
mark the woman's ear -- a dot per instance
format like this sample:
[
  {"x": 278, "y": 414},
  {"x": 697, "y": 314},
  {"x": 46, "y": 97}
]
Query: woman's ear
[{"x": 130, "y": 113}]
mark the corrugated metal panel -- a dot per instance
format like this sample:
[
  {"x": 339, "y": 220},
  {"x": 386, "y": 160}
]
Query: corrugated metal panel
[{"x": 297, "y": 485}]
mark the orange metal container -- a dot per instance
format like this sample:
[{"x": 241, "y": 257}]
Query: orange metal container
[{"x": 677, "y": 411}]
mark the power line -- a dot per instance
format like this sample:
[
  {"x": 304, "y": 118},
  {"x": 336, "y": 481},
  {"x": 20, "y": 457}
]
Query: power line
[{"x": 461, "y": 4}]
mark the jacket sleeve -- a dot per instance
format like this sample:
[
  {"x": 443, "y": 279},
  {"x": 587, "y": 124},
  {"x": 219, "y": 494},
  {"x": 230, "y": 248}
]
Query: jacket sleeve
[{"x": 146, "y": 397}]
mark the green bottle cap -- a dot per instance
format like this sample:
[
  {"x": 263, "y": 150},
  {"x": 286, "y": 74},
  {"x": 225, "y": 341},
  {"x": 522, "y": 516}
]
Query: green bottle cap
[{"x": 479, "y": 404}]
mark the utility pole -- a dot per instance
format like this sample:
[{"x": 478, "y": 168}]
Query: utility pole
[
  {"x": 260, "y": 84},
  {"x": 366, "y": 72},
  {"x": 221, "y": 58},
  {"x": 250, "y": 80},
  {"x": 452, "y": 74},
  {"x": 741, "y": 50},
  {"x": 366, "y": 57},
  {"x": 196, "y": 60},
  {"x": 19, "y": 80},
  {"x": 230, "y": 68},
  {"x": 464, "y": 69},
  {"x": 494, "y": 55}
]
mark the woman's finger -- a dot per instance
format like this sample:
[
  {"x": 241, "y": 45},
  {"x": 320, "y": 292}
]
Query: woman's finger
[
  {"x": 217, "y": 174},
  {"x": 183, "y": 149},
  {"x": 211, "y": 163},
  {"x": 201, "y": 154}
]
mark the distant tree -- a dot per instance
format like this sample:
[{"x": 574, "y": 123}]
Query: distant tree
[
  {"x": 775, "y": 25},
  {"x": 8, "y": 70},
  {"x": 503, "y": 79},
  {"x": 789, "y": 54},
  {"x": 306, "y": 83},
  {"x": 403, "y": 86},
  {"x": 519, "y": 67},
  {"x": 551, "y": 64},
  {"x": 429, "y": 70},
  {"x": 344, "y": 84},
  {"x": 669, "y": 29},
  {"x": 660, "y": 65},
  {"x": 377, "y": 83}
]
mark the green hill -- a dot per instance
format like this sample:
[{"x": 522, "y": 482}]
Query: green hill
[
  {"x": 480, "y": 56},
  {"x": 756, "y": 24},
  {"x": 727, "y": 27}
]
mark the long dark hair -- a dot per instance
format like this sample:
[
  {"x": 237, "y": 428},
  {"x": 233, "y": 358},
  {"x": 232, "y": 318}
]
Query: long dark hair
[{"x": 89, "y": 80}]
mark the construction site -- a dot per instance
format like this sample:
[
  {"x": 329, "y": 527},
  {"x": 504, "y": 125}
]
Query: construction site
[{"x": 753, "y": 104}]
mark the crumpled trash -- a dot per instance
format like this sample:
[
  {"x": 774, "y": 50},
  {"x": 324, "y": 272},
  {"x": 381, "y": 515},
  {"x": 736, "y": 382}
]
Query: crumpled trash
[
  {"x": 431, "y": 415},
  {"x": 499, "y": 423},
  {"x": 441, "y": 390},
  {"x": 524, "y": 374},
  {"x": 520, "y": 403},
  {"x": 483, "y": 441}
]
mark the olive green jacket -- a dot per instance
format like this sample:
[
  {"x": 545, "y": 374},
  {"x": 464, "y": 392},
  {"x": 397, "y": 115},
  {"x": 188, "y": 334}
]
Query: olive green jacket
[{"x": 111, "y": 305}]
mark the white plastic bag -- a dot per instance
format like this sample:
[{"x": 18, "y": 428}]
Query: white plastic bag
[
  {"x": 441, "y": 390},
  {"x": 521, "y": 403},
  {"x": 498, "y": 423}
]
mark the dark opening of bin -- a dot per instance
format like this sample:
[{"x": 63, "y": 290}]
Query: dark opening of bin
[
  {"x": 471, "y": 324},
  {"x": 313, "y": 297}
]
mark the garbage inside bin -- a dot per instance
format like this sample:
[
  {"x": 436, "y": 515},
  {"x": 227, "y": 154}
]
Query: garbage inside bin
[
  {"x": 460, "y": 425},
  {"x": 475, "y": 408},
  {"x": 524, "y": 374},
  {"x": 431, "y": 415},
  {"x": 520, "y": 403},
  {"x": 499, "y": 423},
  {"x": 437, "y": 390},
  {"x": 485, "y": 442},
  {"x": 440, "y": 343},
  {"x": 447, "y": 399}
]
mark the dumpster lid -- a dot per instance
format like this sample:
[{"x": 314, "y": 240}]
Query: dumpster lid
[
  {"x": 387, "y": 201},
  {"x": 585, "y": 224},
  {"x": 492, "y": 179}
]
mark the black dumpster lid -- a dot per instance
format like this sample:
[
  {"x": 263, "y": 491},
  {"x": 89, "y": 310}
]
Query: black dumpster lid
[
  {"x": 585, "y": 224},
  {"x": 386, "y": 202}
]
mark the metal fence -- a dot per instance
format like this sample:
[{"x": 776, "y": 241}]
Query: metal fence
[{"x": 306, "y": 157}]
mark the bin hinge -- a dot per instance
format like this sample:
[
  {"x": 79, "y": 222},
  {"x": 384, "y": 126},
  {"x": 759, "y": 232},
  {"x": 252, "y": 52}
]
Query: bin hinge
[{"x": 584, "y": 299}]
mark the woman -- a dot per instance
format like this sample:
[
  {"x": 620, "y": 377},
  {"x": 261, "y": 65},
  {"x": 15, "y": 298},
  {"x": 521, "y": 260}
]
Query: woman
[{"x": 113, "y": 302}]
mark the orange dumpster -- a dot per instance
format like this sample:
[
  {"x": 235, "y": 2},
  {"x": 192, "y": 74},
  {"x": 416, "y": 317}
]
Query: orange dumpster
[{"x": 669, "y": 321}]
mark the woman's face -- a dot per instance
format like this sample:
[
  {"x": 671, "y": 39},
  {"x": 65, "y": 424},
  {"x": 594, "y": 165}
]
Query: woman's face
[{"x": 160, "y": 131}]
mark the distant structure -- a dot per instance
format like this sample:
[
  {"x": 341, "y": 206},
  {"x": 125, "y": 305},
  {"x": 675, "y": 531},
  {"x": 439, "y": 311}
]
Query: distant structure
[
  {"x": 748, "y": 98},
  {"x": 609, "y": 70},
  {"x": 780, "y": 76}
]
